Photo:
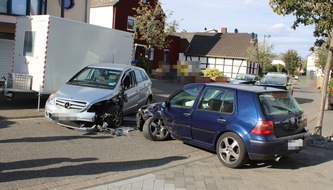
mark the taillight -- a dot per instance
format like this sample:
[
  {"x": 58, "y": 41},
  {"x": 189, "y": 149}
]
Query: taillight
[{"x": 263, "y": 127}]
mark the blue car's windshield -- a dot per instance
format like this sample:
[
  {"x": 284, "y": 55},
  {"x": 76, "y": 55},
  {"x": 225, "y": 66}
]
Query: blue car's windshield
[{"x": 96, "y": 77}]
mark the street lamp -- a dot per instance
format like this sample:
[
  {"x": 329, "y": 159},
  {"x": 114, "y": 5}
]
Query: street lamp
[{"x": 264, "y": 49}]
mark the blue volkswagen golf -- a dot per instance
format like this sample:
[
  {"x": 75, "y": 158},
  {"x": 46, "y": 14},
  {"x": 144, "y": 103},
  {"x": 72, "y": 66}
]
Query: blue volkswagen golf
[{"x": 237, "y": 122}]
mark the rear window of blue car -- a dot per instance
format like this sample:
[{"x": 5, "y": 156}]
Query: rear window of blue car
[{"x": 278, "y": 103}]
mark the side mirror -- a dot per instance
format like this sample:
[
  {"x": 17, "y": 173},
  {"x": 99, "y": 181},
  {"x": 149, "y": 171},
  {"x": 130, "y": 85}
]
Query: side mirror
[{"x": 166, "y": 104}]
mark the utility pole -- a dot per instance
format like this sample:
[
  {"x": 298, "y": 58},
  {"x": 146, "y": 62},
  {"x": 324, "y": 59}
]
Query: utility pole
[{"x": 62, "y": 8}]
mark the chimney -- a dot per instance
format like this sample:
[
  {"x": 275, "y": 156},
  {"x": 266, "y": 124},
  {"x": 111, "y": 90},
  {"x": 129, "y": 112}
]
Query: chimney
[{"x": 224, "y": 30}]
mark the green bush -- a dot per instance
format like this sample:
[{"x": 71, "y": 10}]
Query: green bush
[
  {"x": 143, "y": 63},
  {"x": 330, "y": 84},
  {"x": 212, "y": 72}
]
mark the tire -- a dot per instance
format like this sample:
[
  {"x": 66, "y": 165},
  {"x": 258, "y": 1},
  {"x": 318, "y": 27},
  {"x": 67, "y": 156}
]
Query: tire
[
  {"x": 231, "y": 150},
  {"x": 139, "y": 121},
  {"x": 154, "y": 130},
  {"x": 117, "y": 120}
]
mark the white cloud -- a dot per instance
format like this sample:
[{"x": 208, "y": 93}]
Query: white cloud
[{"x": 280, "y": 27}]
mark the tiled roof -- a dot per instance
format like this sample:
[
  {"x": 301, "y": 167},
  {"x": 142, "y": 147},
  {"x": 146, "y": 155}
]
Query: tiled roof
[
  {"x": 102, "y": 3},
  {"x": 217, "y": 44}
]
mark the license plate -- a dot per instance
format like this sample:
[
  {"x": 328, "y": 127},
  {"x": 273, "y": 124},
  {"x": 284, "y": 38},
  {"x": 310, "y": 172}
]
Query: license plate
[{"x": 295, "y": 144}]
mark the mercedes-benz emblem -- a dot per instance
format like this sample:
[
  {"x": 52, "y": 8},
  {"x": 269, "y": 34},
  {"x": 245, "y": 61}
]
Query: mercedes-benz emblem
[
  {"x": 292, "y": 120},
  {"x": 67, "y": 105}
]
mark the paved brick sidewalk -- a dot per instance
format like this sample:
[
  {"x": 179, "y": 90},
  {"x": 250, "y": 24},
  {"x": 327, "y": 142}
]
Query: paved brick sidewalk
[{"x": 309, "y": 169}]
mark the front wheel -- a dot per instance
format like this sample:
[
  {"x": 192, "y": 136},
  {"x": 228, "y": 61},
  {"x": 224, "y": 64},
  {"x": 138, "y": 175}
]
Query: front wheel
[
  {"x": 231, "y": 150},
  {"x": 154, "y": 129},
  {"x": 117, "y": 119}
]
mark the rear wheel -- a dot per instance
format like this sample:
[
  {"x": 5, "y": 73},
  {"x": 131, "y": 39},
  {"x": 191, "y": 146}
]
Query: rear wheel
[
  {"x": 231, "y": 150},
  {"x": 154, "y": 129}
]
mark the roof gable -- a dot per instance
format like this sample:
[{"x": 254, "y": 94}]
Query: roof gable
[{"x": 217, "y": 44}]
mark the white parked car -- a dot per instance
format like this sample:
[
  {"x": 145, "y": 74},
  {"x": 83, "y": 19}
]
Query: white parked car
[{"x": 89, "y": 97}]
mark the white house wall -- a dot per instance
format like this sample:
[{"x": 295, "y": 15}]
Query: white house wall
[
  {"x": 229, "y": 67},
  {"x": 102, "y": 16},
  {"x": 311, "y": 69}
]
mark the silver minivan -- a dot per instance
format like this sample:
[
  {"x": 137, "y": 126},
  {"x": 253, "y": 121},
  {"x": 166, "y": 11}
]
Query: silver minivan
[{"x": 89, "y": 94}]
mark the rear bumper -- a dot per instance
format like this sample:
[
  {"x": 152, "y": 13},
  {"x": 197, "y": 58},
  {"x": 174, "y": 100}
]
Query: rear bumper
[{"x": 262, "y": 150}]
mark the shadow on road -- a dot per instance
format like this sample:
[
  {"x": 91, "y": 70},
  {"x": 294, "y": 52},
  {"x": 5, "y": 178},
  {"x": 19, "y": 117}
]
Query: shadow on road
[
  {"x": 311, "y": 156},
  {"x": 303, "y": 100},
  {"x": 82, "y": 166},
  {"x": 22, "y": 101}
]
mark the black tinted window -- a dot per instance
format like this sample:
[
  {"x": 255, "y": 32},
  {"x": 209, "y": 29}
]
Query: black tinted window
[
  {"x": 218, "y": 100},
  {"x": 186, "y": 97},
  {"x": 278, "y": 103}
]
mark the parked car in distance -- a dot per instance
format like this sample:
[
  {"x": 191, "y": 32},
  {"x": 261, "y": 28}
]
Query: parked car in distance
[
  {"x": 245, "y": 79},
  {"x": 238, "y": 122},
  {"x": 87, "y": 95},
  {"x": 277, "y": 81},
  {"x": 277, "y": 73}
]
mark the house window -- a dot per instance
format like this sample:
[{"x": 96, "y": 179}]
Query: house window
[
  {"x": 166, "y": 55},
  {"x": 19, "y": 7},
  {"x": 130, "y": 23},
  {"x": 23, "y": 7},
  {"x": 38, "y": 7},
  {"x": 29, "y": 38}
]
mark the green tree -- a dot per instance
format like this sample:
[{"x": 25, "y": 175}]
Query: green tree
[
  {"x": 278, "y": 68},
  {"x": 321, "y": 54},
  {"x": 151, "y": 26},
  {"x": 320, "y": 14},
  {"x": 261, "y": 53},
  {"x": 292, "y": 60}
]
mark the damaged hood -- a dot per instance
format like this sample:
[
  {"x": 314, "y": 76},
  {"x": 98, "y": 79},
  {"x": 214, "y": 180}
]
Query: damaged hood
[{"x": 84, "y": 93}]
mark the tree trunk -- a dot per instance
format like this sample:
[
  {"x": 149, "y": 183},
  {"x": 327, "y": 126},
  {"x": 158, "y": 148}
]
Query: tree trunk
[{"x": 324, "y": 87}]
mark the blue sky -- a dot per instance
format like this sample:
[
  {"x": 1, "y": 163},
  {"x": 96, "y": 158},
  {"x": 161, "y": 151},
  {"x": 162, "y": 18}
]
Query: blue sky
[{"x": 247, "y": 16}]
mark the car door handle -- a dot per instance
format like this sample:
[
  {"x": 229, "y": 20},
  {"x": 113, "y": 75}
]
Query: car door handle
[
  {"x": 187, "y": 114},
  {"x": 221, "y": 120}
]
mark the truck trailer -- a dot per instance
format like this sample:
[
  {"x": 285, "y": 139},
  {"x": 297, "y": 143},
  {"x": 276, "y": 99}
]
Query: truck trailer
[{"x": 49, "y": 50}]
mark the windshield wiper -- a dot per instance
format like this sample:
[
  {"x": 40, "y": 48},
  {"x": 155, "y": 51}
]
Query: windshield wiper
[{"x": 282, "y": 108}]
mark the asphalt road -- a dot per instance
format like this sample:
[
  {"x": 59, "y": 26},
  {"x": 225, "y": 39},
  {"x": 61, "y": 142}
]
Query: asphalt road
[{"x": 37, "y": 153}]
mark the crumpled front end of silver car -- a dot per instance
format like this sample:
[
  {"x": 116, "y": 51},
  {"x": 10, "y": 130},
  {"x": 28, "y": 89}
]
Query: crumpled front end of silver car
[{"x": 70, "y": 113}]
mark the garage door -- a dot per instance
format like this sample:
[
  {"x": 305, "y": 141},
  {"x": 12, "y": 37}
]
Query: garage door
[{"x": 6, "y": 57}]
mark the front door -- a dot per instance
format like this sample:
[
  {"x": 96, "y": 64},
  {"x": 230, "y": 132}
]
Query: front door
[
  {"x": 178, "y": 115},
  {"x": 215, "y": 110}
]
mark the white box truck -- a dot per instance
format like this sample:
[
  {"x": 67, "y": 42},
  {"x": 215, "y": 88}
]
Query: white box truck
[{"x": 49, "y": 50}]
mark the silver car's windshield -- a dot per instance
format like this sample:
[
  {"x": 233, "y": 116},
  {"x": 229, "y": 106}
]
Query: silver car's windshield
[
  {"x": 96, "y": 77},
  {"x": 274, "y": 80}
]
